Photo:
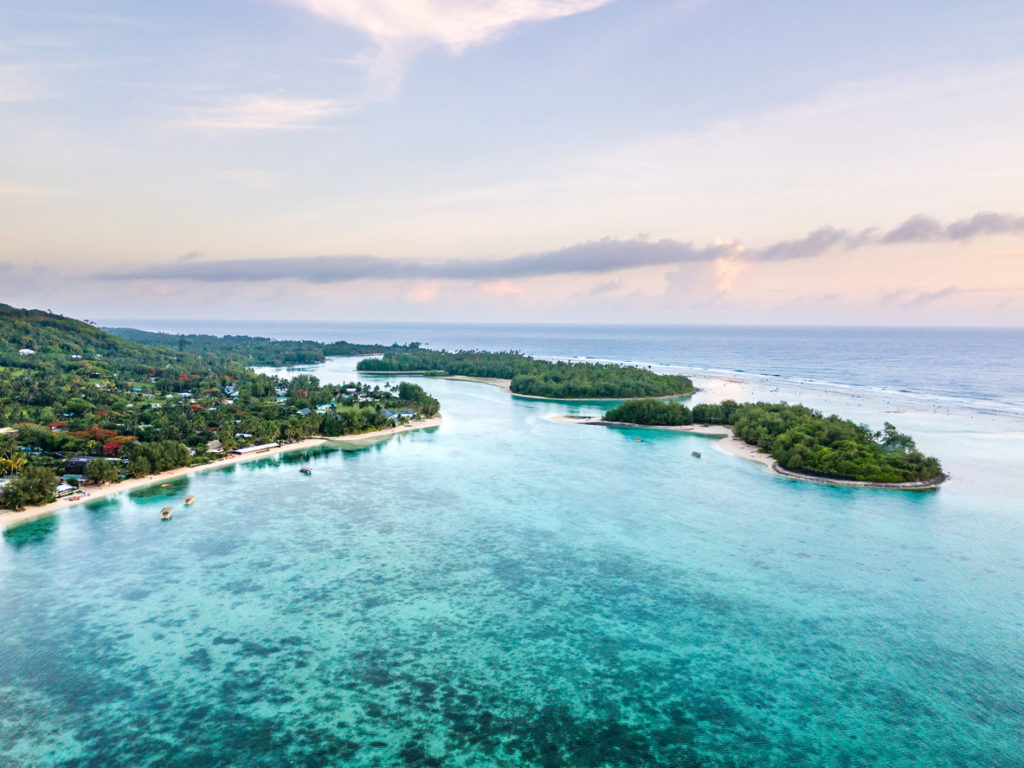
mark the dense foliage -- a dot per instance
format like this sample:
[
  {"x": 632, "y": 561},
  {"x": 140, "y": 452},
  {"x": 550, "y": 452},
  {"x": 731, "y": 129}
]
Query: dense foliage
[
  {"x": 661, "y": 413},
  {"x": 800, "y": 439},
  {"x": 535, "y": 377},
  {"x": 34, "y": 485},
  {"x": 253, "y": 350},
  {"x": 72, "y": 391}
]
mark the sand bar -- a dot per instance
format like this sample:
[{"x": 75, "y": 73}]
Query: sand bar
[
  {"x": 731, "y": 444},
  {"x": 10, "y": 518}
]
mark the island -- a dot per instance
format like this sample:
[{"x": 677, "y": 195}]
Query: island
[
  {"x": 800, "y": 442},
  {"x": 530, "y": 377},
  {"x": 80, "y": 405}
]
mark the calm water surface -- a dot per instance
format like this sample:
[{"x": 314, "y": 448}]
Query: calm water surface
[{"x": 509, "y": 591}]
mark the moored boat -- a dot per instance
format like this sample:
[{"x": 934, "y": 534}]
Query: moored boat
[
  {"x": 695, "y": 454},
  {"x": 306, "y": 471},
  {"x": 189, "y": 500},
  {"x": 166, "y": 512}
]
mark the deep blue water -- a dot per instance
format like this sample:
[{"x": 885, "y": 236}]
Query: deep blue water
[{"x": 506, "y": 590}]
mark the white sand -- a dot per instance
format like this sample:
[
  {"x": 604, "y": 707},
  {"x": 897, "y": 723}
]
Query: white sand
[
  {"x": 733, "y": 445},
  {"x": 92, "y": 493}
]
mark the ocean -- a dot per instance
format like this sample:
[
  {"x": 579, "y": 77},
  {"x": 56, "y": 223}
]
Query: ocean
[{"x": 507, "y": 590}]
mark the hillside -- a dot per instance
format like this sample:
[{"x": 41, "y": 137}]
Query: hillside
[
  {"x": 122, "y": 408},
  {"x": 50, "y": 336},
  {"x": 253, "y": 350}
]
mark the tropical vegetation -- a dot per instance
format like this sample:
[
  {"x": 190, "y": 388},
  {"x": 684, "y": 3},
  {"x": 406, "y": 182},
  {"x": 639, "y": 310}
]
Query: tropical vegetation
[
  {"x": 800, "y": 439},
  {"x": 529, "y": 376},
  {"x": 254, "y": 350},
  {"x": 71, "y": 393}
]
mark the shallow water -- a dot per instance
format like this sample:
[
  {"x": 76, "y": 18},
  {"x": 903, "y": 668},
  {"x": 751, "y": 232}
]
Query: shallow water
[{"x": 506, "y": 590}]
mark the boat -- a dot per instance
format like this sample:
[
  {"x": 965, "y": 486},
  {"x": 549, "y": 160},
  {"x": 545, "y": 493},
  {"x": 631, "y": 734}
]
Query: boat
[
  {"x": 166, "y": 512},
  {"x": 638, "y": 439},
  {"x": 695, "y": 454},
  {"x": 189, "y": 500},
  {"x": 306, "y": 471}
]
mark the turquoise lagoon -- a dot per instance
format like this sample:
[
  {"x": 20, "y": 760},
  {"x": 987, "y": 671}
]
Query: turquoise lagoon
[{"x": 506, "y": 590}]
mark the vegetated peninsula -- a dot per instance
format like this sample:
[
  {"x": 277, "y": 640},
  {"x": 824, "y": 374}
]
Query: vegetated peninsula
[
  {"x": 801, "y": 441},
  {"x": 255, "y": 350},
  {"x": 531, "y": 377},
  {"x": 82, "y": 405}
]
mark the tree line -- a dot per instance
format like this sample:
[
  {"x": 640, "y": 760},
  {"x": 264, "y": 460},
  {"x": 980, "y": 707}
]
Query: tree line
[
  {"x": 800, "y": 439},
  {"x": 529, "y": 376}
]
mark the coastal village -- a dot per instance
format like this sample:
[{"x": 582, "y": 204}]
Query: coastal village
[{"x": 82, "y": 407}]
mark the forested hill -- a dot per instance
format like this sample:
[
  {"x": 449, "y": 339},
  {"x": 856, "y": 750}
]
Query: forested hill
[
  {"x": 47, "y": 334},
  {"x": 254, "y": 350},
  {"x": 539, "y": 378},
  {"x": 73, "y": 395}
]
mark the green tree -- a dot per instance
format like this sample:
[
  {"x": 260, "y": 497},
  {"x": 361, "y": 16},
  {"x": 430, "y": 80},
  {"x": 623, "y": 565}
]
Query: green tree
[
  {"x": 35, "y": 485},
  {"x": 101, "y": 471}
]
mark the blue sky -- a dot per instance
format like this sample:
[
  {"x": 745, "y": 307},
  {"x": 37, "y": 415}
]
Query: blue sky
[{"x": 545, "y": 160}]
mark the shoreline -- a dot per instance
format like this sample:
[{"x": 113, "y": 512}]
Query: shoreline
[
  {"x": 727, "y": 442},
  {"x": 11, "y": 518},
  {"x": 506, "y": 386}
]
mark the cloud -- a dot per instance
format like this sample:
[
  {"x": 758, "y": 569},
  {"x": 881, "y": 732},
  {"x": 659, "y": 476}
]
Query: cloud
[
  {"x": 402, "y": 28},
  {"x": 924, "y": 229},
  {"x": 592, "y": 257},
  {"x": 815, "y": 244},
  {"x": 611, "y": 285},
  {"x": 928, "y": 297},
  {"x": 267, "y": 113},
  {"x": 453, "y": 24}
]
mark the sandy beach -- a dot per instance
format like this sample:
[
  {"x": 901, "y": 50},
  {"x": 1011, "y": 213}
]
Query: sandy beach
[
  {"x": 731, "y": 444},
  {"x": 92, "y": 493}
]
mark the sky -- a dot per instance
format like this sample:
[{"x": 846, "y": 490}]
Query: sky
[{"x": 586, "y": 161}]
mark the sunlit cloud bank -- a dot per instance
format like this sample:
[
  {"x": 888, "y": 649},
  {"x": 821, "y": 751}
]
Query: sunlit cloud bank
[
  {"x": 593, "y": 257},
  {"x": 402, "y": 28}
]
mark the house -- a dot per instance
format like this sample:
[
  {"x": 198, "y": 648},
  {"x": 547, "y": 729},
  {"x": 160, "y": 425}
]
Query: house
[
  {"x": 243, "y": 435},
  {"x": 214, "y": 446},
  {"x": 324, "y": 408},
  {"x": 25, "y": 352},
  {"x": 63, "y": 489},
  {"x": 303, "y": 411},
  {"x": 76, "y": 357},
  {"x": 390, "y": 415},
  {"x": 407, "y": 414},
  {"x": 77, "y": 465},
  {"x": 255, "y": 449}
]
